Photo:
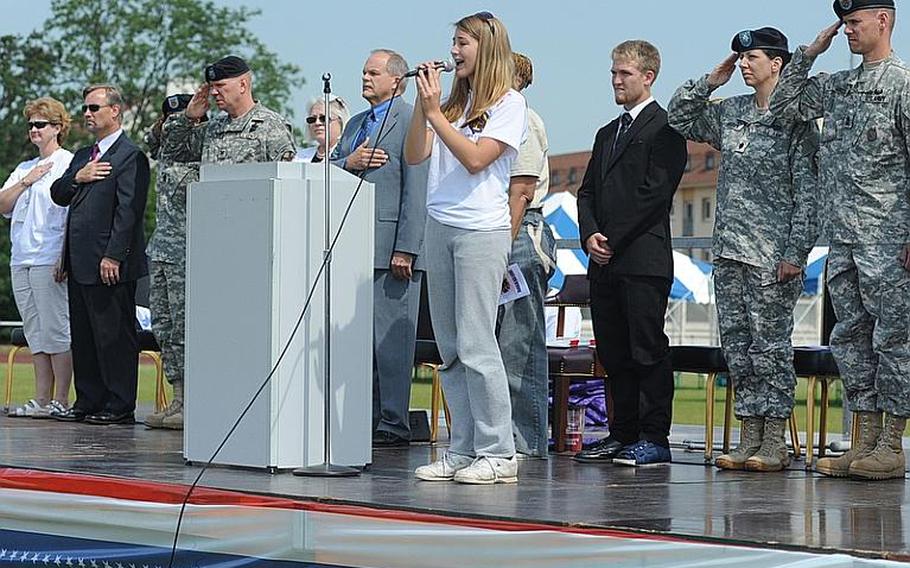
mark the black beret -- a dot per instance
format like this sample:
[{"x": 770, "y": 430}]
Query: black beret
[
  {"x": 175, "y": 103},
  {"x": 226, "y": 68},
  {"x": 762, "y": 38},
  {"x": 844, "y": 7}
]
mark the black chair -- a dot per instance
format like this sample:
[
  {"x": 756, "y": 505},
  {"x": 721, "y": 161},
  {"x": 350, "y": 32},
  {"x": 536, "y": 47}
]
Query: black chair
[
  {"x": 426, "y": 354},
  {"x": 706, "y": 360},
  {"x": 817, "y": 364}
]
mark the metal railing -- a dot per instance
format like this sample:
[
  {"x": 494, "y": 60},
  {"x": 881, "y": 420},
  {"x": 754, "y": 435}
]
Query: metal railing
[{"x": 678, "y": 243}]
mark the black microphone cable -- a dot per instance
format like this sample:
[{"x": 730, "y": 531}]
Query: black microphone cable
[{"x": 306, "y": 306}]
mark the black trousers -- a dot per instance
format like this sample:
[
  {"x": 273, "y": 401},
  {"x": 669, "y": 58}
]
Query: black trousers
[
  {"x": 105, "y": 346},
  {"x": 628, "y": 314}
]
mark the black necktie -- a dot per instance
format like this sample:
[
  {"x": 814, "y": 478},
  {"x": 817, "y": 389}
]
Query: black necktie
[{"x": 625, "y": 121}]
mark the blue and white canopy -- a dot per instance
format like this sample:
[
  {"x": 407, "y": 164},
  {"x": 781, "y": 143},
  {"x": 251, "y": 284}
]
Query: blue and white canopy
[
  {"x": 692, "y": 278},
  {"x": 815, "y": 267},
  {"x": 561, "y": 212}
]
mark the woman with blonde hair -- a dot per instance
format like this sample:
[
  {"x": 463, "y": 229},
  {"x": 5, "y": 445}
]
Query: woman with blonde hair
[
  {"x": 471, "y": 140},
  {"x": 324, "y": 128},
  {"x": 37, "y": 228}
]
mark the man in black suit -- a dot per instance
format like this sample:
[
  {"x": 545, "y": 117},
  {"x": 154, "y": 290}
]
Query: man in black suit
[
  {"x": 105, "y": 188},
  {"x": 624, "y": 218}
]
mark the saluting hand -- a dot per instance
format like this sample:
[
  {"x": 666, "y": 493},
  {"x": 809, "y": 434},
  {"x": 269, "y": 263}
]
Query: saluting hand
[
  {"x": 199, "y": 104},
  {"x": 724, "y": 70},
  {"x": 824, "y": 39}
]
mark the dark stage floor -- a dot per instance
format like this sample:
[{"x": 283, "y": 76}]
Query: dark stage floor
[{"x": 794, "y": 509}]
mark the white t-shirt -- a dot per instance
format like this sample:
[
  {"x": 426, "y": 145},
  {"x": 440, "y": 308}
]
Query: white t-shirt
[
  {"x": 38, "y": 224},
  {"x": 478, "y": 202}
]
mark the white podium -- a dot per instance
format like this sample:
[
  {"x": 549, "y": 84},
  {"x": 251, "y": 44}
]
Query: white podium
[{"x": 254, "y": 246}]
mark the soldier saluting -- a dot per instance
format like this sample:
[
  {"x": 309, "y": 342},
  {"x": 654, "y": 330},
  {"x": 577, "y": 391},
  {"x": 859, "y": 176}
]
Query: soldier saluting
[
  {"x": 764, "y": 228},
  {"x": 865, "y": 170},
  {"x": 247, "y": 131}
]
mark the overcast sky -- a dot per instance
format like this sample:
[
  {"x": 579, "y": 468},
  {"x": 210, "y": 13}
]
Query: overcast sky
[{"x": 569, "y": 42}]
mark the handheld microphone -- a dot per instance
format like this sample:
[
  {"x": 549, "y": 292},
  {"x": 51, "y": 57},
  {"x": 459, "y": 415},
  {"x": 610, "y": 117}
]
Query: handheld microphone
[{"x": 447, "y": 66}]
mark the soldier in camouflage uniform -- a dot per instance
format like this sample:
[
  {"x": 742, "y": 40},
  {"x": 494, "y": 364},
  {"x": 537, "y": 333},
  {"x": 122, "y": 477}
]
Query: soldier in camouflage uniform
[
  {"x": 246, "y": 131},
  {"x": 865, "y": 172},
  {"x": 764, "y": 229},
  {"x": 167, "y": 253}
]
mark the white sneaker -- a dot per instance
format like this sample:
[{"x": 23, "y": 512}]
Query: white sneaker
[
  {"x": 487, "y": 471},
  {"x": 444, "y": 468}
]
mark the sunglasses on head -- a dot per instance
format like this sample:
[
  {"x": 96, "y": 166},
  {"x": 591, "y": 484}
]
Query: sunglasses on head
[
  {"x": 93, "y": 108},
  {"x": 488, "y": 18},
  {"x": 314, "y": 118},
  {"x": 39, "y": 124}
]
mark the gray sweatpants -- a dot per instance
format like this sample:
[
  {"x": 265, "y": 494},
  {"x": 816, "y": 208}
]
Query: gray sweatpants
[{"x": 465, "y": 271}]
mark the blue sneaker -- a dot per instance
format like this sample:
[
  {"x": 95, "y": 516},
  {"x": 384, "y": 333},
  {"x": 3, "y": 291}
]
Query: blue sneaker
[{"x": 642, "y": 453}]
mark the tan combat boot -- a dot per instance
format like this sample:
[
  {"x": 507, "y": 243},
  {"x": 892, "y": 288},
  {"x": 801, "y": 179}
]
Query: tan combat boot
[
  {"x": 773, "y": 454},
  {"x": 750, "y": 436},
  {"x": 157, "y": 419},
  {"x": 887, "y": 460},
  {"x": 870, "y": 427}
]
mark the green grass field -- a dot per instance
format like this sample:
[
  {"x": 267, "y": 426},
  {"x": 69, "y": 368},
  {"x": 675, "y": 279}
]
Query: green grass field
[{"x": 688, "y": 404}]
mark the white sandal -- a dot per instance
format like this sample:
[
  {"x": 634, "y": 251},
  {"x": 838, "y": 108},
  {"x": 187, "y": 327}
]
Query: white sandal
[
  {"x": 31, "y": 409},
  {"x": 55, "y": 407}
]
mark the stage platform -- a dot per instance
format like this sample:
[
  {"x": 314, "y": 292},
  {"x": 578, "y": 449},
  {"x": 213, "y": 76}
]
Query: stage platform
[{"x": 108, "y": 496}]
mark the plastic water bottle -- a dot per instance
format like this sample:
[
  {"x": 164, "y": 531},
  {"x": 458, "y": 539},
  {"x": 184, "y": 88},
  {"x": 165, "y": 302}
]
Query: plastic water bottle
[{"x": 575, "y": 428}]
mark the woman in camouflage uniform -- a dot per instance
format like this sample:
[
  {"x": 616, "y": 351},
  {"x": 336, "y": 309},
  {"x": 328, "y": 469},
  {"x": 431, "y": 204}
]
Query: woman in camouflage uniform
[{"x": 764, "y": 228}]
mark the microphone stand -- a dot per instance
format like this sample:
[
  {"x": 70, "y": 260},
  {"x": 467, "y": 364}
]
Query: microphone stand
[{"x": 327, "y": 468}]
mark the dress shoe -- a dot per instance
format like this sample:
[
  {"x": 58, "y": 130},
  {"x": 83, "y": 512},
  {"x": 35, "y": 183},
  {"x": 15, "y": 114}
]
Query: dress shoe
[
  {"x": 383, "y": 439},
  {"x": 72, "y": 415},
  {"x": 106, "y": 417},
  {"x": 602, "y": 452}
]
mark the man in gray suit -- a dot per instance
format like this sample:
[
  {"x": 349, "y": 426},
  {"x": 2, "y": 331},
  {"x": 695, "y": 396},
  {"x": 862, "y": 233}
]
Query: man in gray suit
[{"x": 400, "y": 202}]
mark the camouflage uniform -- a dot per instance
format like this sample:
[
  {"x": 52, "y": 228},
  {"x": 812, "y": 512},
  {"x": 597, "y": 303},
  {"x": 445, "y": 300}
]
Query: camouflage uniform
[
  {"x": 766, "y": 213},
  {"x": 167, "y": 252},
  {"x": 863, "y": 166},
  {"x": 261, "y": 135}
]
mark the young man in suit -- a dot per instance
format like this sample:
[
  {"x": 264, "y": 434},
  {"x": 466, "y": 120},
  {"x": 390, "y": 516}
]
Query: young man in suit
[
  {"x": 105, "y": 187},
  {"x": 624, "y": 216},
  {"x": 400, "y": 209}
]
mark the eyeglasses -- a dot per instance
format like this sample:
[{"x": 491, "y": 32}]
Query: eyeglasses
[
  {"x": 93, "y": 108},
  {"x": 488, "y": 18},
  {"x": 40, "y": 124},
  {"x": 320, "y": 118}
]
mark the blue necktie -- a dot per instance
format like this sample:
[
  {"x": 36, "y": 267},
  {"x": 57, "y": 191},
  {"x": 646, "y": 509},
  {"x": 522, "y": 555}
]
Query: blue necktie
[{"x": 364, "y": 131}]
